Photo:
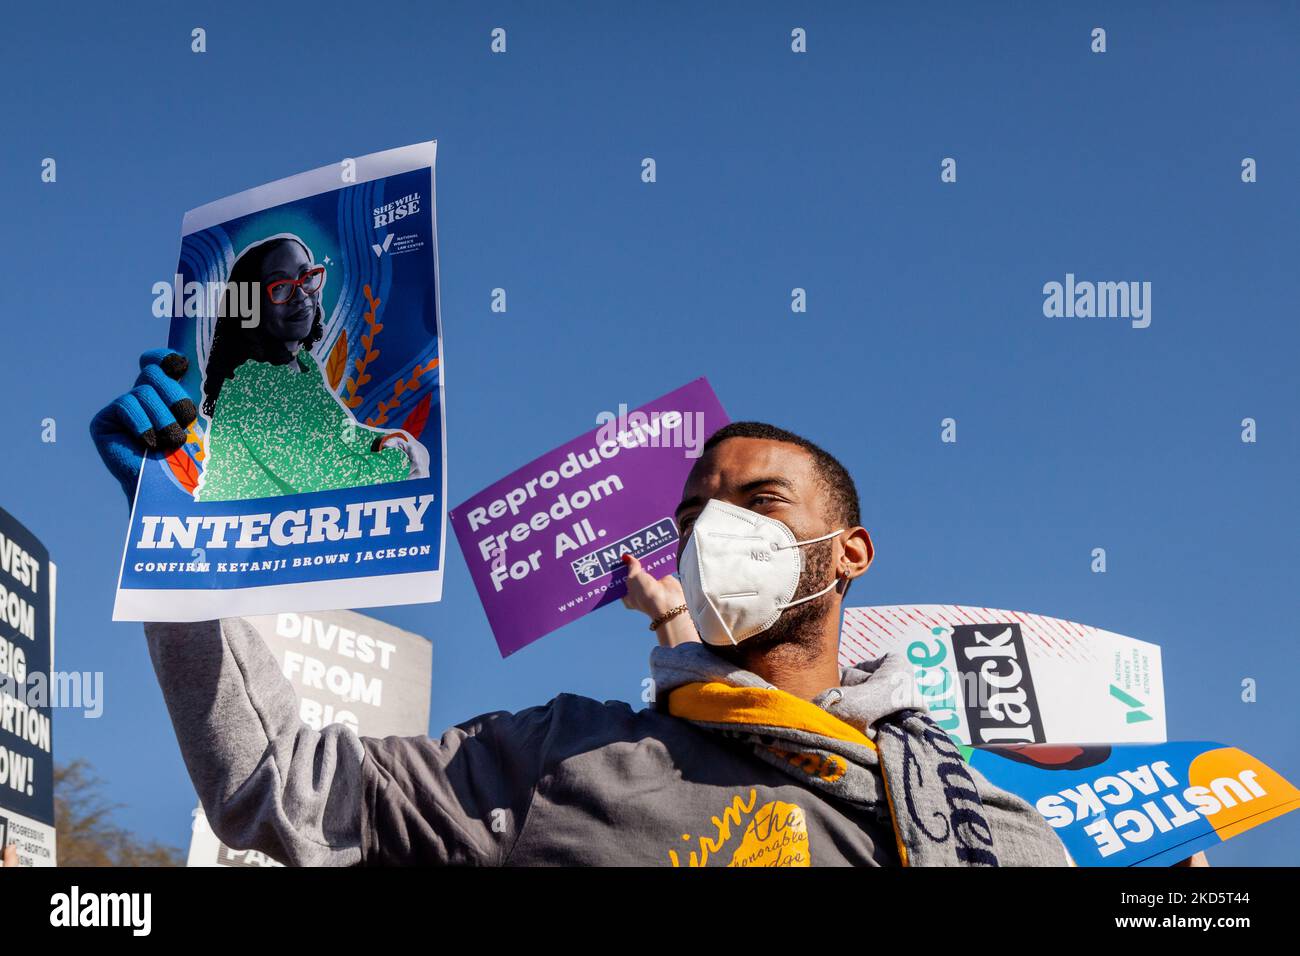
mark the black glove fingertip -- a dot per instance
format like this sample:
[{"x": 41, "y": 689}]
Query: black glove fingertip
[
  {"x": 175, "y": 365},
  {"x": 185, "y": 412},
  {"x": 171, "y": 437}
]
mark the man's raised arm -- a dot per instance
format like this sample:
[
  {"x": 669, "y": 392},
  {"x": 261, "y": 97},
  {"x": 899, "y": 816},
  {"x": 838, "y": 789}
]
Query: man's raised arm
[{"x": 266, "y": 780}]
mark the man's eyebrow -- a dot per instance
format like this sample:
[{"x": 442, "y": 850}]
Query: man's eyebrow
[
  {"x": 687, "y": 503},
  {"x": 698, "y": 500},
  {"x": 757, "y": 483}
]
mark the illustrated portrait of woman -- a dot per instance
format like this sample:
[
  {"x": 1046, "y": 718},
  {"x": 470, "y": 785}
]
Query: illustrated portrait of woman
[{"x": 276, "y": 428}]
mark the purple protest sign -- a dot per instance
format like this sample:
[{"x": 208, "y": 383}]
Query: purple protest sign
[{"x": 545, "y": 544}]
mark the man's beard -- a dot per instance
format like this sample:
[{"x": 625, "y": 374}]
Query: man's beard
[{"x": 798, "y": 625}]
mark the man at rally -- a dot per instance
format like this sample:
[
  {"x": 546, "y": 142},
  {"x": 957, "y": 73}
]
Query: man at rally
[{"x": 758, "y": 751}]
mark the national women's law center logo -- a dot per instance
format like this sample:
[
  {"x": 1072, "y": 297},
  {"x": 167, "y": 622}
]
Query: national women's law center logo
[
  {"x": 390, "y": 215},
  {"x": 596, "y": 564}
]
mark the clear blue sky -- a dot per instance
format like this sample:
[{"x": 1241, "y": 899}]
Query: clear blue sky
[{"x": 774, "y": 171}]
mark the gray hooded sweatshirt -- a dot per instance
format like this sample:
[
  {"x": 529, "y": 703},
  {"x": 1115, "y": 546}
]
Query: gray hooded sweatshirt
[{"x": 571, "y": 782}]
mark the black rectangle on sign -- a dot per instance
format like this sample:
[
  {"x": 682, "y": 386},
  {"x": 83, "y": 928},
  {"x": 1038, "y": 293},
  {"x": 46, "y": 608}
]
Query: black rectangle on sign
[{"x": 1001, "y": 706}]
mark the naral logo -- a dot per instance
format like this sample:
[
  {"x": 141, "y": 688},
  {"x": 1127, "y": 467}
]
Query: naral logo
[
  {"x": 602, "y": 561},
  {"x": 1001, "y": 706}
]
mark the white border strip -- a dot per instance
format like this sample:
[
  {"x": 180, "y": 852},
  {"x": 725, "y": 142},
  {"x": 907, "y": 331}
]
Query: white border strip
[
  {"x": 188, "y": 604},
  {"x": 391, "y": 162},
  {"x": 54, "y": 594}
]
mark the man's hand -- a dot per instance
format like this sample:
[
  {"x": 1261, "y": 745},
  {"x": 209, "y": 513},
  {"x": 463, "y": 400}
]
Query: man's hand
[
  {"x": 653, "y": 597},
  {"x": 1197, "y": 859},
  {"x": 152, "y": 415},
  {"x": 10, "y": 856}
]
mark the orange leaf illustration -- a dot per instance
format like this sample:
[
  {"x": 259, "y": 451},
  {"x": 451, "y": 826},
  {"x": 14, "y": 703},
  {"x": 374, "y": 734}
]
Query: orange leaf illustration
[
  {"x": 183, "y": 467},
  {"x": 400, "y": 386},
  {"x": 415, "y": 422},
  {"x": 369, "y": 352},
  {"x": 338, "y": 361}
]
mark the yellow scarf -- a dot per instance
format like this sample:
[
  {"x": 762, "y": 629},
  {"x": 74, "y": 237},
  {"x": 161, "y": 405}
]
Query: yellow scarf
[{"x": 718, "y": 703}]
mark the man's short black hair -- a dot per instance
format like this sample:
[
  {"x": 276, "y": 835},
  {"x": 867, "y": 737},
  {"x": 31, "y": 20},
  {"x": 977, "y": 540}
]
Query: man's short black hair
[{"x": 839, "y": 483}]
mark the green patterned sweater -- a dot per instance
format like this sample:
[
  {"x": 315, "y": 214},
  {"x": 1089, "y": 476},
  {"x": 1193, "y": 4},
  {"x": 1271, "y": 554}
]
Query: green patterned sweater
[{"x": 278, "y": 430}]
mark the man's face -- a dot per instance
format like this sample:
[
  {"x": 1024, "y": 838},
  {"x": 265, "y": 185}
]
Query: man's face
[{"x": 780, "y": 481}]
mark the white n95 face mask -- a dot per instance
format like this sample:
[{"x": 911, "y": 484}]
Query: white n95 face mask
[{"x": 739, "y": 571}]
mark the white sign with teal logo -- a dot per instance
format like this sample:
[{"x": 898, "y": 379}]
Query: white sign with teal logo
[{"x": 1009, "y": 677}]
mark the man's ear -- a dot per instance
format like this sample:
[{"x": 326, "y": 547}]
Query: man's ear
[{"x": 858, "y": 552}]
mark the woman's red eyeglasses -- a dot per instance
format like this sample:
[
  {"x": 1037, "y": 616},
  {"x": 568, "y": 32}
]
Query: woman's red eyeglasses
[{"x": 281, "y": 290}]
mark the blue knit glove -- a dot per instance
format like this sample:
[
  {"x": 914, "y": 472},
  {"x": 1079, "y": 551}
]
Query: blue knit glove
[{"x": 152, "y": 416}]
